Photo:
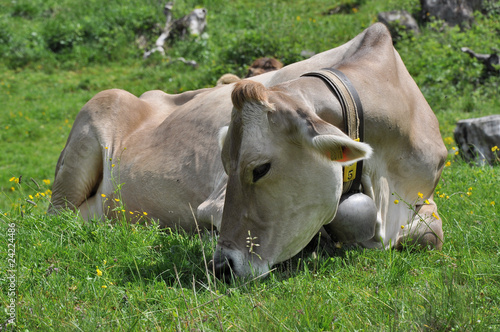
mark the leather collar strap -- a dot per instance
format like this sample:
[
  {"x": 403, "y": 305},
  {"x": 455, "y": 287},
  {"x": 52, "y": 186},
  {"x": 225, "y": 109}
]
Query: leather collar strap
[{"x": 352, "y": 112}]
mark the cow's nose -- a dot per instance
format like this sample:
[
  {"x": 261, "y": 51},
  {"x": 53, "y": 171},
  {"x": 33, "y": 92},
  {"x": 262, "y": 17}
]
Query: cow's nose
[{"x": 223, "y": 267}]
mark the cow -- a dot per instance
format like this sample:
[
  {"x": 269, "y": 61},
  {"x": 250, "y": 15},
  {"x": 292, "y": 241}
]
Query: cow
[
  {"x": 262, "y": 160},
  {"x": 258, "y": 67},
  {"x": 263, "y": 65}
]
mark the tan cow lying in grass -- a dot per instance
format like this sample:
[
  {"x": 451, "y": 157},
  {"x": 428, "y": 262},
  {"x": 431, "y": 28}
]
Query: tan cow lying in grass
[{"x": 279, "y": 178}]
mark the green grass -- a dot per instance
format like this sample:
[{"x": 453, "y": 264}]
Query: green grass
[
  {"x": 156, "y": 280},
  {"x": 153, "y": 279}
]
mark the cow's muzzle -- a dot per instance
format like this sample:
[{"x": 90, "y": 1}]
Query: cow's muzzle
[{"x": 223, "y": 266}]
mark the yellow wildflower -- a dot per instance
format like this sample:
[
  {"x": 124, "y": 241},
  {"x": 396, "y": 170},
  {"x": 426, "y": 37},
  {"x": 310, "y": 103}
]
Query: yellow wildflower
[
  {"x": 112, "y": 165},
  {"x": 99, "y": 272},
  {"x": 495, "y": 148},
  {"x": 104, "y": 286},
  {"x": 448, "y": 140},
  {"x": 131, "y": 212},
  {"x": 396, "y": 201},
  {"x": 46, "y": 181},
  {"x": 492, "y": 203},
  {"x": 116, "y": 199},
  {"x": 448, "y": 163},
  {"x": 427, "y": 201},
  {"x": 420, "y": 195},
  {"x": 12, "y": 189},
  {"x": 102, "y": 195},
  {"x": 31, "y": 197},
  {"x": 456, "y": 153},
  {"x": 355, "y": 10},
  {"x": 298, "y": 18},
  {"x": 105, "y": 147},
  {"x": 435, "y": 215},
  {"x": 402, "y": 226},
  {"x": 145, "y": 213},
  {"x": 469, "y": 193}
]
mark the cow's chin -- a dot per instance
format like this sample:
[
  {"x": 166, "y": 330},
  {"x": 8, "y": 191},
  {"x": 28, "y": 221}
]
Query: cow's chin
[{"x": 256, "y": 269}]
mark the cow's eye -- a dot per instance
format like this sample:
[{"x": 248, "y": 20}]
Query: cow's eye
[{"x": 260, "y": 171}]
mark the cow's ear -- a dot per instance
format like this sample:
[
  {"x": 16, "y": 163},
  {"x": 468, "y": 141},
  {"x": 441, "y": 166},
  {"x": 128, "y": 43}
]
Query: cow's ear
[
  {"x": 341, "y": 148},
  {"x": 222, "y": 136}
]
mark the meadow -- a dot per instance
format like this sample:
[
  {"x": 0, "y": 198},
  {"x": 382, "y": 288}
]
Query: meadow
[{"x": 66, "y": 274}]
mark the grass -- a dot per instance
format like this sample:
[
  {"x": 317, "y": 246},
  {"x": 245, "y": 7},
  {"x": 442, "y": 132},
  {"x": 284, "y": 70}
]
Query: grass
[
  {"x": 72, "y": 275},
  {"x": 152, "y": 279}
]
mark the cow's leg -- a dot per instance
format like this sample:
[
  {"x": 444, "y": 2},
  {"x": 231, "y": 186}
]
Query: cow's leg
[
  {"x": 79, "y": 170},
  {"x": 425, "y": 230}
]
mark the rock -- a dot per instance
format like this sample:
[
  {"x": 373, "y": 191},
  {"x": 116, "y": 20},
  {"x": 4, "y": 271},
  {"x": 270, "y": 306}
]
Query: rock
[
  {"x": 476, "y": 139},
  {"x": 453, "y": 12},
  {"x": 396, "y": 19}
]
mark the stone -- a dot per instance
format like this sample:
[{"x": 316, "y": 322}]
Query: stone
[
  {"x": 477, "y": 138},
  {"x": 396, "y": 19},
  {"x": 453, "y": 12}
]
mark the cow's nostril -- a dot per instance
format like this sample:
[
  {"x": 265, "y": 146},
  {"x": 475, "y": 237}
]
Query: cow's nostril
[{"x": 223, "y": 267}]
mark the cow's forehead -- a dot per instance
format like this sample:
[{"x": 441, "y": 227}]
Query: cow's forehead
[
  {"x": 283, "y": 118},
  {"x": 249, "y": 132},
  {"x": 254, "y": 116}
]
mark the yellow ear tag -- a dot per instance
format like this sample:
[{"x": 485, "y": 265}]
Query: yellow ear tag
[{"x": 350, "y": 172}]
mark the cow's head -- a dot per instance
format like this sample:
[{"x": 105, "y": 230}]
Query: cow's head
[{"x": 284, "y": 167}]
